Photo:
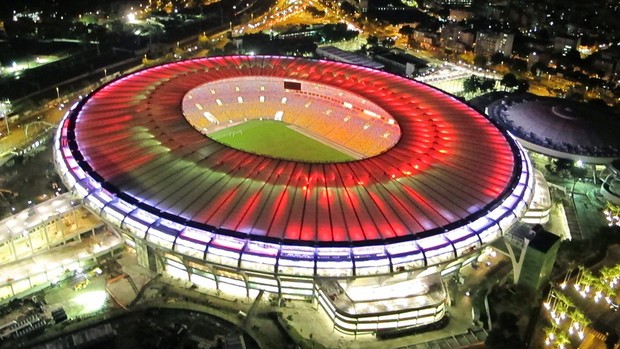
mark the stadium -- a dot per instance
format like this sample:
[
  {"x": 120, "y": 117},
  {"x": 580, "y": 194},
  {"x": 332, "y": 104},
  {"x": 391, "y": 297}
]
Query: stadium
[
  {"x": 560, "y": 128},
  {"x": 342, "y": 185}
]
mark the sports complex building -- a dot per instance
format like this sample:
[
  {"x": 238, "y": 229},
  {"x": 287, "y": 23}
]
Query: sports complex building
[
  {"x": 378, "y": 188},
  {"x": 586, "y": 133}
]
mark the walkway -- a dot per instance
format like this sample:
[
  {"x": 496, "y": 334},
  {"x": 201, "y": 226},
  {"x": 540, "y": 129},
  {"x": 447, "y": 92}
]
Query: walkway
[{"x": 470, "y": 339}]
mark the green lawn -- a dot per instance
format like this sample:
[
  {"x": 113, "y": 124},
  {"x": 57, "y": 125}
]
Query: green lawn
[{"x": 274, "y": 138}]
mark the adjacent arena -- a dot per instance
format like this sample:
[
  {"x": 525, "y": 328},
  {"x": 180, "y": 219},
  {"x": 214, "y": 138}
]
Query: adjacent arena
[
  {"x": 560, "y": 128},
  {"x": 427, "y": 182}
]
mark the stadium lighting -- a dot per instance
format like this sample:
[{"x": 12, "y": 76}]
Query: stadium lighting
[{"x": 91, "y": 301}]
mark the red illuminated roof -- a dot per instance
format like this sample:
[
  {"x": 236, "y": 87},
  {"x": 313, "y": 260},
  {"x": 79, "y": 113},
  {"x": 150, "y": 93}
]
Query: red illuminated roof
[{"x": 449, "y": 165}]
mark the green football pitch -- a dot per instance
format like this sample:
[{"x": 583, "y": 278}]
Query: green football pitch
[{"x": 276, "y": 139}]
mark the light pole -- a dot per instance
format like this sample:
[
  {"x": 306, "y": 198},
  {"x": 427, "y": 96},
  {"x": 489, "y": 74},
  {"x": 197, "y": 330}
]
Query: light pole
[
  {"x": 5, "y": 109},
  {"x": 58, "y": 94},
  {"x": 6, "y": 122}
]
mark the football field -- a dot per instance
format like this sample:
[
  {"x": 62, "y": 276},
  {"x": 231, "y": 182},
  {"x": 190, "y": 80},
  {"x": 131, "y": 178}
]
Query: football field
[{"x": 276, "y": 139}]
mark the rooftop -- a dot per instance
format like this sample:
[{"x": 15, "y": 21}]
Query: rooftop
[{"x": 449, "y": 167}]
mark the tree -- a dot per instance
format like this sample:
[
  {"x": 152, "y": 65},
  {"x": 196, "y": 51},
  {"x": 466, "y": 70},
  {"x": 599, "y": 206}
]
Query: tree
[
  {"x": 337, "y": 32},
  {"x": 480, "y": 60},
  {"x": 347, "y": 8},
  {"x": 487, "y": 85},
  {"x": 372, "y": 40},
  {"x": 518, "y": 65},
  {"x": 229, "y": 48},
  {"x": 471, "y": 84},
  {"x": 598, "y": 102},
  {"x": 316, "y": 13},
  {"x": 505, "y": 333},
  {"x": 406, "y": 30},
  {"x": 388, "y": 42},
  {"x": 523, "y": 86},
  {"x": 537, "y": 68},
  {"x": 571, "y": 59},
  {"x": 574, "y": 94},
  {"x": 563, "y": 164},
  {"x": 612, "y": 340},
  {"x": 497, "y": 58},
  {"x": 509, "y": 80},
  {"x": 579, "y": 172},
  {"x": 297, "y": 47}
]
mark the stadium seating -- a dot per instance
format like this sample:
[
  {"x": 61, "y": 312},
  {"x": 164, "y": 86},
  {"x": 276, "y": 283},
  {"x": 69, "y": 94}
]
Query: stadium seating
[{"x": 319, "y": 112}]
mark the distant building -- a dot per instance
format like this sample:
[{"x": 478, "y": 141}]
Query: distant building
[
  {"x": 535, "y": 44},
  {"x": 457, "y": 38},
  {"x": 608, "y": 62},
  {"x": 449, "y": 37},
  {"x": 467, "y": 37},
  {"x": 496, "y": 12},
  {"x": 536, "y": 57},
  {"x": 454, "y": 2},
  {"x": 488, "y": 43},
  {"x": 460, "y": 14},
  {"x": 425, "y": 38},
  {"x": 363, "y": 5},
  {"x": 401, "y": 63},
  {"x": 336, "y": 54},
  {"x": 301, "y": 32},
  {"x": 565, "y": 43}
]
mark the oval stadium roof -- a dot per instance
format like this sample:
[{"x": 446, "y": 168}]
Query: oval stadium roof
[{"x": 450, "y": 166}]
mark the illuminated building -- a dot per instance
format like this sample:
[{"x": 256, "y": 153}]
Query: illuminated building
[
  {"x": 560, "y": 128},
  {"x": 489, "y": 43},
  {"x": 335, "y": 54},
  {"x": 459, "y": 3},
  {"x": 433, "y": 183},
  {"x": 50, "y": 242},
  {"x": 532, "y": 252},
  {"x": 585, "y": 133},
  {"x": 565, "y": 43}
]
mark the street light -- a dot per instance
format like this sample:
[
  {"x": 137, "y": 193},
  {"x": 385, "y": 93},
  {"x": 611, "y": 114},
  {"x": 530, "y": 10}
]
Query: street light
[
  {"x": 5, "y": 109},
  {"x": 58, "y": 93},
  {"x": 6, "y": 122}
]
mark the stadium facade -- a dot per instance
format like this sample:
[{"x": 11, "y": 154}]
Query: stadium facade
[{"x": 370, "y": 239}]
